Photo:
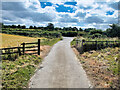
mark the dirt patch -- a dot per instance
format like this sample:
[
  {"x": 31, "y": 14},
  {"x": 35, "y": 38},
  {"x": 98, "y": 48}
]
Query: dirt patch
[
  {"x": 44, "y": 50},
  {"x": 98, "y": 70},
  {"x": 75, "y": 50}
]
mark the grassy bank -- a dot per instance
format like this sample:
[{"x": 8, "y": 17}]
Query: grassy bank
[
  {"x": 101, "y": 66},
  {"x": 16, "y": 74},
  {"x": 73, "y": 42},
  {"x": 50, "y": 42},
  {"x": 17, "y": 70}
]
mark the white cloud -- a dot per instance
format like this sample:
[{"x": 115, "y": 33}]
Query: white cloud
[{"x": 88, "y": 14}]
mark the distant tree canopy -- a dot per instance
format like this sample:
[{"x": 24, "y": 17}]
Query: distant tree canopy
[
  {"x": 31, "y": 27},
  {"x": 114, "y": 31},
  {"x": 70, "y": 29},
  {"x": 96, "y": 31},
  {"x": 50, "y": 26},
  {"x": 80, "y": 29},
  {"x": 18, "y": 26},
  {"x": 89, "y": 29},
  {"x": 13, "y": 26},
  {"x": 23, "y": 27},
  {"x": 74, "y": 29}
]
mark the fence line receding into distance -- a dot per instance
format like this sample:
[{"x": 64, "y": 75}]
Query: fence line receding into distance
[{"x": 84, "y": 46}]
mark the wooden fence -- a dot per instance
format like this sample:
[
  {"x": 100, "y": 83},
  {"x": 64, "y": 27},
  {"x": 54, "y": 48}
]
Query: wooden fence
[
  {"x": 25, "y": 48},
  {"x": 84, "y": 46}
]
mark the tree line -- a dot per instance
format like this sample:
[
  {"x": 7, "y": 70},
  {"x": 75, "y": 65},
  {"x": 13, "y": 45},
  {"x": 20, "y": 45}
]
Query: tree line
[
  {"x": 50, "y": 27},
  {"x": 113, "y": 31}
]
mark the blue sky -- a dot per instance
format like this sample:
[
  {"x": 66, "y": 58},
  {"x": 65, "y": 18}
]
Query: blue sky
[{"x": 62, "y": 13}]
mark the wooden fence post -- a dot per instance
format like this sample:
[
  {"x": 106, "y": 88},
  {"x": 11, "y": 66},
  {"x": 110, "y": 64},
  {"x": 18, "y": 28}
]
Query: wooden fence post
[
  {"x": 83, "y": 47},
  {"x": 102, "y": 44},
  {"x": 23, "y": 48},
  {"x": 106, "y": 43},
  {"x": 38, "y": 46},
  {"x": 83, "y": 42},
  {"x": 96, "y": 45},
  {"x": 76, "y": 42},
  {"x": 19, "y": 51}
]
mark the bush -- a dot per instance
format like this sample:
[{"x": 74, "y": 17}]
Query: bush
[
  {"x": 96, "y": 31},
  {"x": 69, "y": 33},
  {"x": 114, "y": 31},
  {"x": 32, "y": 33}
]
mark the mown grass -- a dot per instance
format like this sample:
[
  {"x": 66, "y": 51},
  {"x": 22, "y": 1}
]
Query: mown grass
[
  {"x": 16, "y": 74},
  {"x": 15, "y": 40}
]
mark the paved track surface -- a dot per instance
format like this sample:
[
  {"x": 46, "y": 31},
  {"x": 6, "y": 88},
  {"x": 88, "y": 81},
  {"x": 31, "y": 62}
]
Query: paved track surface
[{"x": 60, "y": 69}]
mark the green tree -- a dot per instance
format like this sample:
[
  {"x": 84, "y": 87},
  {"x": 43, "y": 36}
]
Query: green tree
[
  {"x": 89, "y": 29},
  {"x": 80, "y": 29},
  {"x": 35, "y": 27},
  {"x": 13, "y": 26},
  {"x": 31, "y": 27},
  {"x": 50, "y": 26},
  {"x": 18, "y": 26},
  {"x": 96, "y": 31},
  {"x": 114, "y": 31},
  {"x": 23, "y": 27},
  {"x": 74, "y": 29}
]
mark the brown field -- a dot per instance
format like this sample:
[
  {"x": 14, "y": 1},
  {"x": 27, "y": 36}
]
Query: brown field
[{"x": 14, "y": 40}]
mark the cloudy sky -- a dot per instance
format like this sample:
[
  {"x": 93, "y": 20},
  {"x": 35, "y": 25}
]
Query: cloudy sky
[{"x": 62, "y": 13}]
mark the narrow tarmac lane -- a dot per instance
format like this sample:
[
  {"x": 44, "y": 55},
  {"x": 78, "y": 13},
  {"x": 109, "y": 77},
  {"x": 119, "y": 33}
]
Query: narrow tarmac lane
[{"x": 61, "y": 69}]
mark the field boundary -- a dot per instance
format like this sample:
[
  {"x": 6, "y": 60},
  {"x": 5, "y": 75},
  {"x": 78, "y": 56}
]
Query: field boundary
[
  {"x": 22, "y": 49},
  {"x": 84, "y": 46}
]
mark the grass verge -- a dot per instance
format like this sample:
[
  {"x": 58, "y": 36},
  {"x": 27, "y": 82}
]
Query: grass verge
[
  {"x": 73, "y": 42},
  {"x": 102, "y": 67},
  {"x": 50, "y": 42},
  {"x": 16, "y": 74}
]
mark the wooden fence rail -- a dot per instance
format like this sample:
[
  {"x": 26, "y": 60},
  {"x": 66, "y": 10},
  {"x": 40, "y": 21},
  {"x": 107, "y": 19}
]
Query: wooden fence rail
[
  {"x": 25, "y": 47},
  {"x": 84, "y": 46}
]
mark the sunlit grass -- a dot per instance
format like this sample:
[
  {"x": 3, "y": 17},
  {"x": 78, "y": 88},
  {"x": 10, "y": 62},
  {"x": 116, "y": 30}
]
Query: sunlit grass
[
  {"x": 16, "y": 74},
  {"x": 15, "y": 40},
  {"x": 102, "y": 39}
]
